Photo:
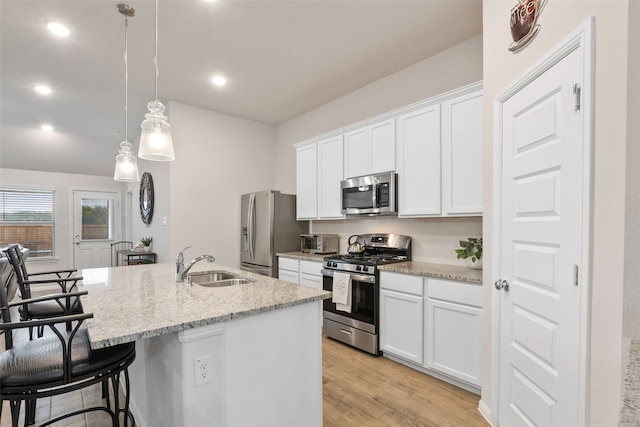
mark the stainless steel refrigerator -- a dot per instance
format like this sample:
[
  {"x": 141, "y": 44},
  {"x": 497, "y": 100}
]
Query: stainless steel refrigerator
[{"x": 268, "y": 227}]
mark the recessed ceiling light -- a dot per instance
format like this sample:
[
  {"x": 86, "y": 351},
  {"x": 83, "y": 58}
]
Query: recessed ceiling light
[
  {"x": 46, "y": 128},
  {"x": 218, "y": 80},
  {"x": 58, "y": 29},
  {"x": 42, "y": 89}
]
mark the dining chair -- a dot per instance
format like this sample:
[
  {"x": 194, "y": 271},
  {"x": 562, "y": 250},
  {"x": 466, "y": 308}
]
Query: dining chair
[
  {"x": 59, "y": 362},
  {"x": 45, "y": 308},
  {"x": 116, "y": 246}
]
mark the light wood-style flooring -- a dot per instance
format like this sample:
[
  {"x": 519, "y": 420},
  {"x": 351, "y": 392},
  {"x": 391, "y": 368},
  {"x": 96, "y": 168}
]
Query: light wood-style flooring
[
  {"x": 359, "y": 390},
  {"x": 363, "y": 390}
]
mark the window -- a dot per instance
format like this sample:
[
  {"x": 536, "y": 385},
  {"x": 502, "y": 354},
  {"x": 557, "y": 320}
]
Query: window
[
  {"x": 26, "y": 217},
  {"x": 96, "y": 219}
]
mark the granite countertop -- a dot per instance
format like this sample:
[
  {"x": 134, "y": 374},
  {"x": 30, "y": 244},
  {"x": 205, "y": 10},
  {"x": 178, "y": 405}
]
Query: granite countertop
[
  {"x": 630, "y": 411},
  {"x": 144, "y": 301},
  {"x": 440, "y": 271},
  {"x": 304, "y": 256}
]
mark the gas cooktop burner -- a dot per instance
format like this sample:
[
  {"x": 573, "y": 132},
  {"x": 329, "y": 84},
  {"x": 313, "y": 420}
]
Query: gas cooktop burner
[{"x": 367, "y": 258}]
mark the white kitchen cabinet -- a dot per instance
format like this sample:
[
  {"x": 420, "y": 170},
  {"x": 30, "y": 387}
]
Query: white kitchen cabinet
[
  {"x": 302, "y": 272},
  {"x": 307, "y": 182},
  {"x": 433, "y": 325},
  {"x": 370, "y": 149},
  {"x": 453, "y": 329},
  {"x": 462, "y": 155},
  {"x": 419, "y": 162},
  {"x": 288, "y": 270},
  {"x": 311, "y": 274},
  {"x": 330, "y": 173},
  {"x": 401, "y": 316}
]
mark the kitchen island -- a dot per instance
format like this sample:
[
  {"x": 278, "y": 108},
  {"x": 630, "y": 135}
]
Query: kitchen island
[{"x": 242, "y": 355}]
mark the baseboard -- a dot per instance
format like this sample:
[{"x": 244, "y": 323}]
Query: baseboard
[
  {"x": 453, "y": 381},
  {"x": 485, "y": 411}
]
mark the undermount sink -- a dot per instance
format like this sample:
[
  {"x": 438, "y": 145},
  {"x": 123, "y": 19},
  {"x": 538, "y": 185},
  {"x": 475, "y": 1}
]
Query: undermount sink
[{"x": 214, "y": 279}]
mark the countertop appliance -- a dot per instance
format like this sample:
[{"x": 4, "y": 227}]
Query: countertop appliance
[
  {"x": 359, "y": 328},
  {"x": 370, "y": 195},
  {"x": 268, "y": 226},
  {"x": 319, "y": 243}
]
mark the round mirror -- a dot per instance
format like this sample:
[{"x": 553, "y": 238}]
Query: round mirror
[{"x": 146, "y": 198}]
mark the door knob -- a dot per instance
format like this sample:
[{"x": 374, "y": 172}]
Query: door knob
[
  {"x": 501, "y": 284},
  {"x": 77, "y": 239}
]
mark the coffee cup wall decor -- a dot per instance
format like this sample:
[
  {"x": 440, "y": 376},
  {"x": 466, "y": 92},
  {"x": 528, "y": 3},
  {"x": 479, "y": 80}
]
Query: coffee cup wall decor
[{"x": 524, "y": 22}]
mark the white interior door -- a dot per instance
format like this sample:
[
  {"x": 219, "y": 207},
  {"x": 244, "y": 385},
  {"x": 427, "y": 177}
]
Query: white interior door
[
  {"x": 542, "y": 246},
  {"x": 96, "y": 224}
]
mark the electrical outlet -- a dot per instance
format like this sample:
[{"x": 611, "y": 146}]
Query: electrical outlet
[{"x": 203, "y": 369}]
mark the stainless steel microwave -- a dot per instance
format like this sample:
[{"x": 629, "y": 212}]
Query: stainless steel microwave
[{"x": 370, "y": 195}]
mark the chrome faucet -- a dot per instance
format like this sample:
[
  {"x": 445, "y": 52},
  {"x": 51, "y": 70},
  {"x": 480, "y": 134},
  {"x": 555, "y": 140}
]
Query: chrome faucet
[{"x": 182, "y": 270}]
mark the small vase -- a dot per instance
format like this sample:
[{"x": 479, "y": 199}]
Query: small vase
[
  {"x": 477, "y": 265},
  {"x": 147, "y": 248}
]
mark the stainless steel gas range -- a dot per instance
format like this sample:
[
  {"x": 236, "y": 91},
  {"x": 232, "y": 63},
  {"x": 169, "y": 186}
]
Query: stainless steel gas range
[{"x": 358, "y": 323}]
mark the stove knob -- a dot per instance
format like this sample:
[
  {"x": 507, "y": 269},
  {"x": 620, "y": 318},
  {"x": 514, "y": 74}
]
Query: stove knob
[
  {"x": 365, "y": 268},
  {"x": 335, "y": 264},
  {"x": 359, "y": 268}
]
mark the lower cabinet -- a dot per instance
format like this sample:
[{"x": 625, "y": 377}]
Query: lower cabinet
[
  {"x": 288, "y": 270},
  {"x": 310, "y": 274},
  {"x": 401, "y": 315},
  {"x": 454, "y": 329},
  {"x": 433, "y": 325},
  {"x": 301, "y": 271}
]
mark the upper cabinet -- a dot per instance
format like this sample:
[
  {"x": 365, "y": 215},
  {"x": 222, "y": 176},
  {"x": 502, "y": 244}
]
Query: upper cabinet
[
  {"x": 462, "y": 155},
  {"x": 319, "y": 172},
  {"x": 370, "y": 149},
  {"x": 419, "y": 162},
  {"x": 435, "y": 146},
  {"x": 330, "y": 154},
  {"x": 307, "y": 182}
]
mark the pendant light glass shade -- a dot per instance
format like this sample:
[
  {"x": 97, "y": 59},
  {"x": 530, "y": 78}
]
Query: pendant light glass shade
[
  {"x": 126, "y": 164},
  {"x": 155, "y": 140}
]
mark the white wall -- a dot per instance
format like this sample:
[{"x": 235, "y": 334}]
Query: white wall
[
  {"x": 434, "y": 238},
  {"x": 501, "y": 69},
  {"x": 161, "y": 244},
  {"x": 218, "y": 158},
  {"x": 63, "y": 184}
]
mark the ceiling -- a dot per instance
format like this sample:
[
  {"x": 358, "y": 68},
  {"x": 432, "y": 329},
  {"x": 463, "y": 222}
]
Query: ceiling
[{"x": 281, "y": 59}]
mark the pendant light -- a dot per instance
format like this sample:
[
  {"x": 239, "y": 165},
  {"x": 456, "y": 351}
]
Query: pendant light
[
  {"x": 155, "y": 139},
  {"x": 126, "y": 162}
]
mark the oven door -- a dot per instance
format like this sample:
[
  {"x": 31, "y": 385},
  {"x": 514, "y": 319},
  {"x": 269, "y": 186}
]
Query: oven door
[{"x": 364, "y": 302}]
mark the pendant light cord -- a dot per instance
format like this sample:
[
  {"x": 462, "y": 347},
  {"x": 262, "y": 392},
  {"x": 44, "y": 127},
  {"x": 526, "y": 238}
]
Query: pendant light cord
[
  {"x": 156, "y": 58},
  {"x": 126, "y": 82}
]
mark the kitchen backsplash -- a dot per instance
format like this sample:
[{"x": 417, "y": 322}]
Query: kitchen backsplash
[{"x": 433, "y": 239}]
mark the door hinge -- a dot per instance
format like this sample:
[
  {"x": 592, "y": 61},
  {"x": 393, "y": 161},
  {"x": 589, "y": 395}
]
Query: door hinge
[
  {"x": 576, "y": 95},
  {"x": 575, "y": 274}
]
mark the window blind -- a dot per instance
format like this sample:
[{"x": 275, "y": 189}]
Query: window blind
[{"x": 27, "y": 217}]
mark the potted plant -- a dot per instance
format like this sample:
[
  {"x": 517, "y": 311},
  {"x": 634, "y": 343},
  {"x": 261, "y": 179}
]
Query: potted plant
[
  {"x": 146, "y": 241},
  {"x": 471, "y": 252}
]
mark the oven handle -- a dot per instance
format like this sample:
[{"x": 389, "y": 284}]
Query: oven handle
[{"x": 357, "y": 277}]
